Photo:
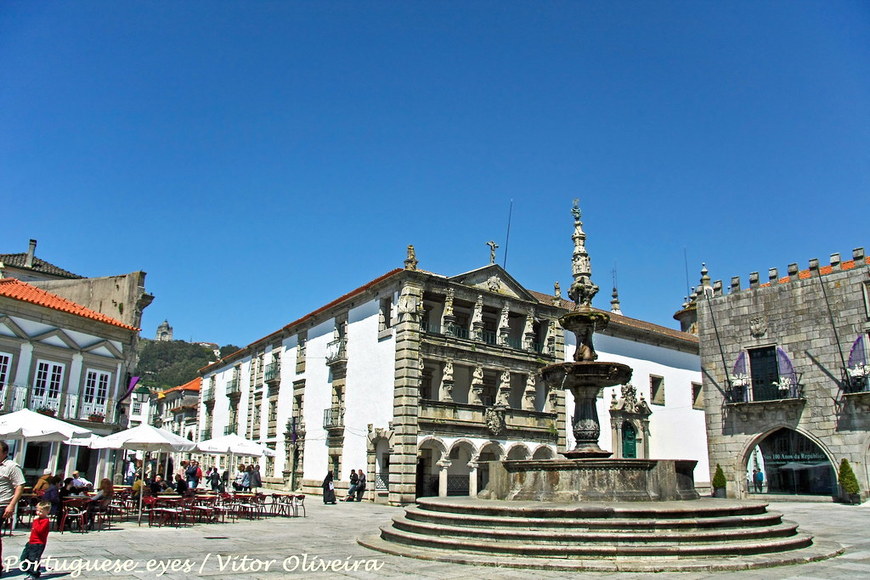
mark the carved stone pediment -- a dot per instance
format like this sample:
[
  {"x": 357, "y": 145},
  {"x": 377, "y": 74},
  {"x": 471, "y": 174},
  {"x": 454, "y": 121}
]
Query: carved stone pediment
[{"x": 494, "y": 279}]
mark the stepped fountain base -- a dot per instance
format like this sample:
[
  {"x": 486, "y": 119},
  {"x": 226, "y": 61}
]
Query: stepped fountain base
[{"x": 574, "y": 480}]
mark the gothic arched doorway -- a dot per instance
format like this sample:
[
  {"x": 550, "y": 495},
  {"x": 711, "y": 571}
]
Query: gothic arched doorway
[{"x": 791, "y": 463}]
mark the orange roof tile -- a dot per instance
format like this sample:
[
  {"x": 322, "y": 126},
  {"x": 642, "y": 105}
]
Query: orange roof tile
[
  {"x": 18, "y": 290},
  {"x": 193, "y": 385}
]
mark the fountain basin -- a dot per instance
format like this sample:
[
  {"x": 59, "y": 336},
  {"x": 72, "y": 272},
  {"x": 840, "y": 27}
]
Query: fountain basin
[
  {"x": 586, "y": 375},
  {"x": 573, "y": 480}
]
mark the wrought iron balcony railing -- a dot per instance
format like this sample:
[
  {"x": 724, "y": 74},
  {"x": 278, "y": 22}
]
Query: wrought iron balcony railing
[
  {"x": 273, "y": 372},
  {"x": 333, "y": 418},
  {"x": 336, "y": 352},
  {"x": 233, "y": 387}
]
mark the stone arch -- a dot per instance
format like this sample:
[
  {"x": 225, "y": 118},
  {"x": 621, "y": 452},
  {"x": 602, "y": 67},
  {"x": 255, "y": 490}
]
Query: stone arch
[
  {"x": 543, "y": 452},
  {"x": 460, "y": 468},
  {"x": 463, "y": 442},
  {"x": 431, "y": 458},
  {"x": 489, "y": 451},
  {"x": 379, "y": 444},
  {"x": 811, "y": 472},
  {"x": 518, "y": 451}
]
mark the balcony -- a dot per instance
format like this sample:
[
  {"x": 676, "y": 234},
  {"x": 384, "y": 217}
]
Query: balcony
[
  {"x": 333, "y": 418},
  {"x": 744, "y": 391},
  {"x": 208, "y": 396},
  {"x": 443, "y": 415},
  {"x": 205, "y": 434},
  {"x": 234, "y": 387},
  {"x": 336, "y": 352},
  {"x": 229, "y": 430},
  {"x": 273, "y": 372},
  {"x": 764, "y": 402}
]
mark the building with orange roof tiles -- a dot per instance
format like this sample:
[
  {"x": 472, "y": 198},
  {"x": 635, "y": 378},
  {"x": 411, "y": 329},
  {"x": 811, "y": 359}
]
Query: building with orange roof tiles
[
  {"x": 60, "y": 358},
  {"x": 786, "y": 376}
]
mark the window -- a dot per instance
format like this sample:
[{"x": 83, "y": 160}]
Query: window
[
  {"x": 96, "y": 388},
  {"x": 49, "y": 377},
  {"x": 867, "y": 299},
  {"x": 300, "y": 352},
  {"x": 385, "y": 314},
  {"x": 697, "y": 396},
  {"x": 5, "y": 367},
  {"x": 656, "y": 390}
]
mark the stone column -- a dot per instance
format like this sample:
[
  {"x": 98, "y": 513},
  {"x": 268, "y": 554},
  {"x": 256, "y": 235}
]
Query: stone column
[
  {"x": 472, "y": 479},
  {"x": 447, "y": 317},
  {"x": 477, "y": 319},
  {"x": 443, "y": 465},
  {"x": 529, "y": 331},
  {"x": 445, "y": 393},
  {"x": 504, "y": 389},
  {"x": 406, "y": 397},
  {"x": 530, "y": 393},
  {"x": 504, "y": 328},
  {"x": 477, "y": 386}
]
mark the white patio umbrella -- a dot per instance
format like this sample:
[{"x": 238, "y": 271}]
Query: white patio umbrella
[
  {"x": 145, "y": 438},
  {"x": 30, "y": 427},
  {"x": 233, "y": 445}
]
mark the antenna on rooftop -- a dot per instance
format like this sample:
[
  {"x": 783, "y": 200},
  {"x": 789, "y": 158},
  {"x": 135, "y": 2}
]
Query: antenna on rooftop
[
  {"x": 686, "y": 266},
  {"x": 508, "y": 235}
]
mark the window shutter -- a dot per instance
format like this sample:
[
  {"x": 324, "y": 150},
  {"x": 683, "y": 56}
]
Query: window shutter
[
  {"x": 787, "y": 376},
  {"x": 857, "y": 356},
  {"x": 740, "y": 365}
]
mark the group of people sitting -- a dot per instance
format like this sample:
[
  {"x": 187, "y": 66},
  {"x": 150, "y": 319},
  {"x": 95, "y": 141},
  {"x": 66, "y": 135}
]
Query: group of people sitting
[{"x": 54, "y": 489}]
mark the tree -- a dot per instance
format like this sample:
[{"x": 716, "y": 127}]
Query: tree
[
  {"x": 719, "y": 480},
  {"x": 165, "y": 364},
  {"x": 847, "y": 479}
]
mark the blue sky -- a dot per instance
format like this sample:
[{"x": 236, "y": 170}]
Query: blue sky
[{"x": 258, "y": 159}]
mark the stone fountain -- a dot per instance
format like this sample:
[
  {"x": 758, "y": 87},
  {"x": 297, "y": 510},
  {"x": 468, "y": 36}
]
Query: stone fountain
[
  {"x": 588, "y": 473},
  {"x": 589, "y": 512}
]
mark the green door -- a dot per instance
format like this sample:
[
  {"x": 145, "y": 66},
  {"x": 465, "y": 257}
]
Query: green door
[{"x": 629, "y": 441}]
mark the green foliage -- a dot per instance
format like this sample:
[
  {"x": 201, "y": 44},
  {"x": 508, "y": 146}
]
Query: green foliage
[
  {"x": 847, "y": 479},
  {"x": 229, "y": 349},
  {"x": 719, "y": 478},
  {"x": 165, "y": 364}
]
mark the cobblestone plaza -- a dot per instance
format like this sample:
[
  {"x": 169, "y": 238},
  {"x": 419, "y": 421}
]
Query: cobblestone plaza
[{"x": 303, "y": 547}]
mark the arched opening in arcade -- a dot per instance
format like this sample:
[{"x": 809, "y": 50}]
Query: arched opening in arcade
[
  {"x": 788, "y": 462},
  {"x": 459, "y": 471},
  {"x": 429, "y": 455},
  {"x": 489, "y": 452}
]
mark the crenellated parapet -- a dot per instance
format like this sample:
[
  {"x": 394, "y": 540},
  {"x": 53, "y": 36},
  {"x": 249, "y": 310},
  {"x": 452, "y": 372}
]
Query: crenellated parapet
[{"x": 773, "y": 277}]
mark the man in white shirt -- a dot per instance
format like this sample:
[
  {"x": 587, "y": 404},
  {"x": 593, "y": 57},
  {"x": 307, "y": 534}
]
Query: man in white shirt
[
  {"x": 11, "y": 487},
  {"x": 81, "y": 482}
]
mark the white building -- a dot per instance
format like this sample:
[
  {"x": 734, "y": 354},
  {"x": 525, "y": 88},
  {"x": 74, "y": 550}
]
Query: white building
[{"x": 419, "y": 379}]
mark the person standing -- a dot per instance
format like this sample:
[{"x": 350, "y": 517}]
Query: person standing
[
  {"x": 328, "y": 489},
  {"x": 34, "y": 547},
  {"x": 11, "y": 488},
  {"x": 361, "y": 486},
  {"x": 254, "y": 475},
  {"x": 759, "y": 481}
]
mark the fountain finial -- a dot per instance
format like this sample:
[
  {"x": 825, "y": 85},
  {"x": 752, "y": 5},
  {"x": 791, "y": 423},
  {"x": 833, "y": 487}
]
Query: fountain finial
[{"x": 582, "y": 290}]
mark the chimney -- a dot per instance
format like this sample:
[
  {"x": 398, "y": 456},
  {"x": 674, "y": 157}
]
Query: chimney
[{"x": 31, "y": 251}]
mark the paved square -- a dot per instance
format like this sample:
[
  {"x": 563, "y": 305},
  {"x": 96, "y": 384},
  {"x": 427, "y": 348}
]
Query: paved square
[{"x": 301, "y": 547}]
